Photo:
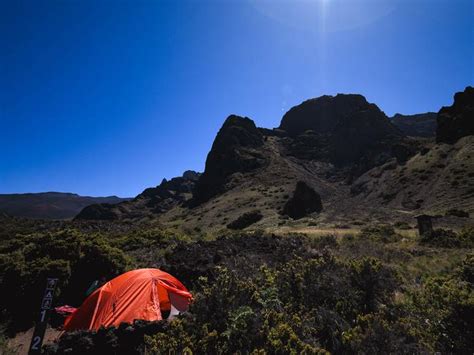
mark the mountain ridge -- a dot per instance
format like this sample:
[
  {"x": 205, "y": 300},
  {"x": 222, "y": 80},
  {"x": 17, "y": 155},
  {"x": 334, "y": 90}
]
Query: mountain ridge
[
  {"x": 342, "y": 147},
  {"x": 50, "y": 205},
  {"x": 417, "y": 125}
]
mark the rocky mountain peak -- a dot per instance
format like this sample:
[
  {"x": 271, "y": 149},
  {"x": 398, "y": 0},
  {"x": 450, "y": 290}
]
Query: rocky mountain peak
[
  {"x": 339, "y": 129},
  {"x": 191, "y": 175},
  {"x": 235, "y": 149},
  {"x": 324, "y": 114}
]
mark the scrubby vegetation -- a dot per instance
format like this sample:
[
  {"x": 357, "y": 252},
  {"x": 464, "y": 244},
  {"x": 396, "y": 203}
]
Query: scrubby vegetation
[
  {"x": 373, "y": 292},
  {"x": 27, "y": 260},
  {"x": 457, "y": 213},
  {"x": 449, "y": 239},
  {"x": 381, "y": 233}
]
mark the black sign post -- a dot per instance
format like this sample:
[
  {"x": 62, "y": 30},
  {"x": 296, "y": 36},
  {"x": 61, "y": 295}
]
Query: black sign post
[{"x": 40, "y": 329}]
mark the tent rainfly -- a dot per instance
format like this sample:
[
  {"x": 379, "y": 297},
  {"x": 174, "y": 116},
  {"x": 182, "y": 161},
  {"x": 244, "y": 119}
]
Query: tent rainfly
[{"x": 138, "y": 294}]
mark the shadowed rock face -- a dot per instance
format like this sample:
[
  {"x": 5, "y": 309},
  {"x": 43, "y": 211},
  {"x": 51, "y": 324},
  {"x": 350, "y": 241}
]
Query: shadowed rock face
[
  {"x": 245, "y": 220},
  {"x": 303, "y": 202},
  {"x": 321, "y": 114},
  {"x": 339, "y": 128},
  {"x": 420, "y": 125},
  {"x": 235, "y": 149},
  {"x": 99, "y": 211},
  {"x": 457, "y": 121}
]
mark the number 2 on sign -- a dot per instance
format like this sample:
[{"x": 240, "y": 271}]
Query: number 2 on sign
[{"x": 36, "y": 342}]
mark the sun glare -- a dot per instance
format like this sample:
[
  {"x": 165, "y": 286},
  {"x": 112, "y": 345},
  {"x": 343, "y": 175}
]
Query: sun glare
[{"x": 336, "y": 15}]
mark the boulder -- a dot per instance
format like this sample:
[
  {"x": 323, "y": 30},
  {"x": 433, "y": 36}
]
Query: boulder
[
  {"x": 303, "y": 202},
  {"x": 245, "y": 220}
]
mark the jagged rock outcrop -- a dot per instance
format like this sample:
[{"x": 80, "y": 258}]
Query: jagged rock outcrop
[
  {"x": 419, "y": 125},
  {"x": 235, "y": 149},
  {"x": 169, "y": 193},
  {"x": 303, "y": 202},
  {"x": 154, "y": 200},
  {"x": 191, "y": 175},
  {"x": 339, "y": 129},
  {"x": 457, "y": 121}
]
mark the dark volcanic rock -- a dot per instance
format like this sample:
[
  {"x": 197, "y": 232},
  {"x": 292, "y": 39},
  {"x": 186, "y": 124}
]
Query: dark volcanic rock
[
  {"x": 457, "y": 121},
  {"x": 245, "y": 220},
  {"x": 99, "y": 211},
  {"x": 153, "y": 200},
  {"x": 191, "y": 175},
  {"x": 420, "y": 125},
  {"x": 339, "y": 129},
  {"x": 235, "y": 149},
  {"x": 169, "y": 193},
  {"x": 303, "y": 202}
]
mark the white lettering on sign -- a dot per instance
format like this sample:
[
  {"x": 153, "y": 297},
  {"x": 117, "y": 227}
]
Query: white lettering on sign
[
  {"x": 51, "y": 284},
  {"x": 46, "y": 304}
]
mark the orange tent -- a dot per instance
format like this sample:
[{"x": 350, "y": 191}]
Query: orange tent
[{"x": 137, "y": 294}]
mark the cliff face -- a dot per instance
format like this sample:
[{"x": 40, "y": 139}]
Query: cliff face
[
  {"x": 457, "y": 120},
  {"x": 340, "y": 129},
  {"x": 235, "y": 149}
]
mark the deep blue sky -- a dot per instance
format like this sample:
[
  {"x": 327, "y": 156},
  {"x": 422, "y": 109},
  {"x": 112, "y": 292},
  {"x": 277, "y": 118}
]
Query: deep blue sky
[{"x": 108, "y": 97}]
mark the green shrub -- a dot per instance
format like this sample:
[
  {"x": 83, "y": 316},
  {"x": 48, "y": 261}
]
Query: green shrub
[
  {"x": 457, "y": 213},
  {"x": 380, "y": 233},
  {"x": 72, "y": 257},
  {"x": 402, "y": 225},
  {"x": 374, "y": 283},
  {"x": 446, "y": 238},
  {"x": 442, "y": 314},
  {"x": 466, "y": 270}
]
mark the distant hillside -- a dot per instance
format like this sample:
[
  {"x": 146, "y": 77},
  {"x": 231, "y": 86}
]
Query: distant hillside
[
  {"x": 420, "y": 125},
  {"x": 49, "y": 205}
]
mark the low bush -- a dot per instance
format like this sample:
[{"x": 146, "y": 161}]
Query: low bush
[
  {"x": 441, "y": 314},
  {"x": 446, "y": 238},
  {"x": 402, "y": 225},
  {"x": 457, "y": 213},
  {"x": 27, "y": 261},
  {"x": 380, "y": 233}
]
